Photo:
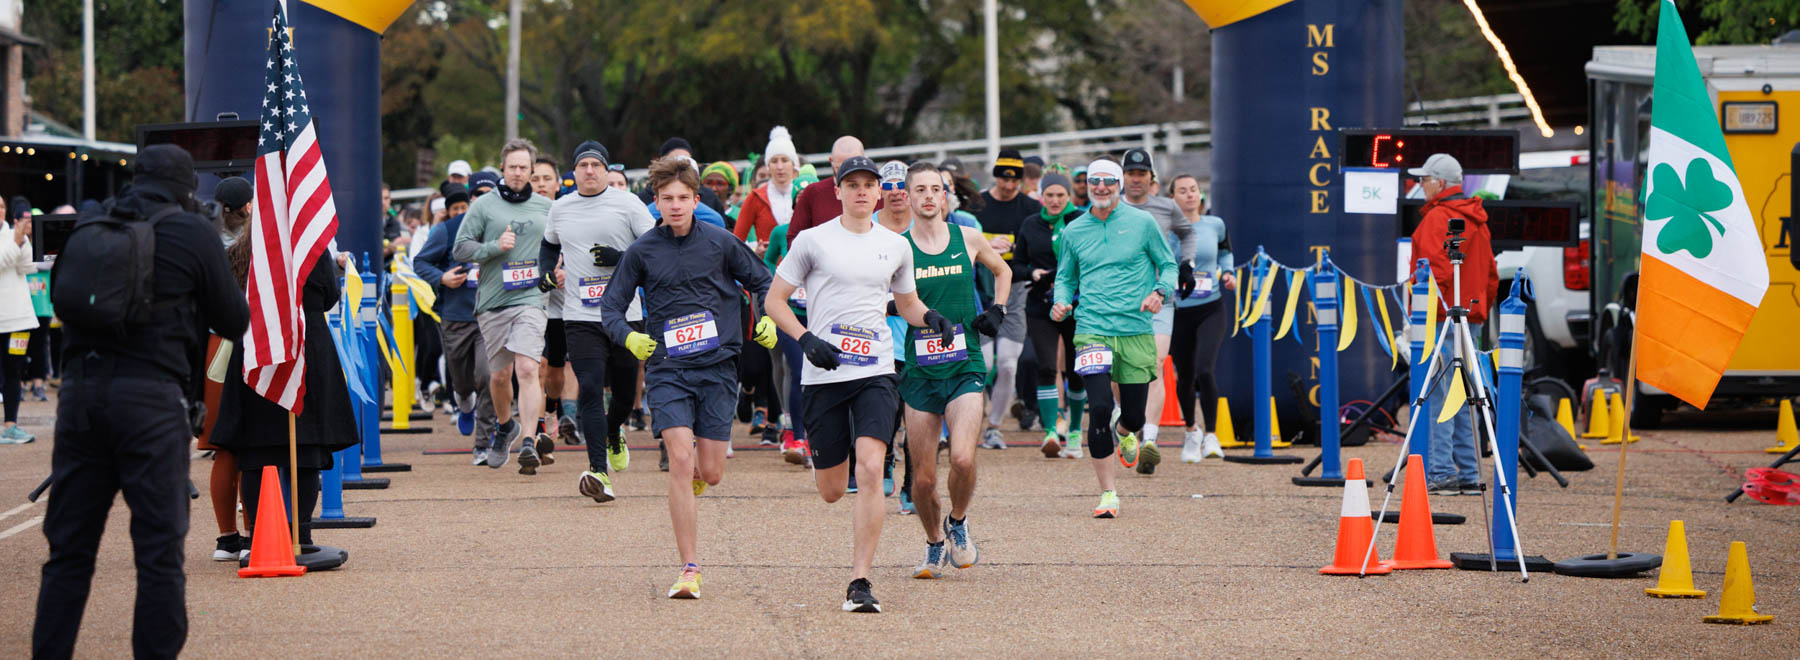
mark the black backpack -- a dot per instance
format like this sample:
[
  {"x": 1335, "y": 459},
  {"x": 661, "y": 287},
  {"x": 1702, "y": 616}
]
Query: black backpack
[{"x": 113, "y": 268}]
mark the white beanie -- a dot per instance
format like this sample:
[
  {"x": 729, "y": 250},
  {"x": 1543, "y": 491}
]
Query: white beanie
[{"x": 781, "y": 143}]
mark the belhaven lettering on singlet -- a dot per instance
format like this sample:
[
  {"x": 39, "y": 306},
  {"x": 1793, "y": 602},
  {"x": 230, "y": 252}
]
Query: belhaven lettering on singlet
[{"x": 928, "y": 272}]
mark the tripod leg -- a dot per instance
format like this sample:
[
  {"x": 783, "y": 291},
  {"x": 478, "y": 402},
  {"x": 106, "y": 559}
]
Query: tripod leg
[
  {"x": 1484, "y": 407},
  {"x": 1418, "y": 405}
]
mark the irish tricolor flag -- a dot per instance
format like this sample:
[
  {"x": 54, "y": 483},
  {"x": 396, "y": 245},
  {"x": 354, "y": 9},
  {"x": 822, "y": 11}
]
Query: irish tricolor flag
[{"x": 1703, "y": 270}]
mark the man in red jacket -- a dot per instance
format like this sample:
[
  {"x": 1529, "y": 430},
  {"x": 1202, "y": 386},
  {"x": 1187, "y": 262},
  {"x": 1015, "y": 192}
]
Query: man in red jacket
[{"x": 1452, "y": 465}]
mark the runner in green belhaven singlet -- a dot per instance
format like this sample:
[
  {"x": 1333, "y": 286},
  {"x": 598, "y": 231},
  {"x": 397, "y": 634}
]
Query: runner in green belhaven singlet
[{"x": 944, "y": 376}]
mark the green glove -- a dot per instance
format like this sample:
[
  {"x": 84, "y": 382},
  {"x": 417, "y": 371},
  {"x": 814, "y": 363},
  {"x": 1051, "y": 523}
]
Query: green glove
[
  {"x": 640, "y": 345},
  {"x": 765, "y": 333}
]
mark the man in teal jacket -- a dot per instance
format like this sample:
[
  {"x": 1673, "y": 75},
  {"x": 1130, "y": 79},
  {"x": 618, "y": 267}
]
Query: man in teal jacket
[{"x": 1116, "y": 260}]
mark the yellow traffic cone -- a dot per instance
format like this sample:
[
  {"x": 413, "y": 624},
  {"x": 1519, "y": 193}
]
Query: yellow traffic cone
[
  {"x": 1618, "y": 417},
  {"x": 1738, "y": 603},
  {"x": 1222, "y": 427},
  {"x": 1598, "y": 422},
  {"x": 1275, "y": 441},
  {"x": 1785, "y": 435},
  {"x": 1676, "y": 579},
  {"x": 1565, "y": 417}
]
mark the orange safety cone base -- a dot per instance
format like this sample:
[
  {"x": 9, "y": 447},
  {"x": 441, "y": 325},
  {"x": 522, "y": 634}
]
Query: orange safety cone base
[{"x": 271, "y": 549}]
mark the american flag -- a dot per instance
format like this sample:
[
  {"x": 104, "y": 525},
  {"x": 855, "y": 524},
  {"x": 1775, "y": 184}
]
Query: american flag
[{"x": 293, "y": 222}]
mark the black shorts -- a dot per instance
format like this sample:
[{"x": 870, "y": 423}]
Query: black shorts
[
  {"x": 556, "y": 344},
  {"x": 588, "y": 339},
  {"x": 838, "y": 413}
]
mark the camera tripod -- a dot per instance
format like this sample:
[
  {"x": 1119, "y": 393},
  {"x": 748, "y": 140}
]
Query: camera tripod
[{"x": 1456, "y": 329}]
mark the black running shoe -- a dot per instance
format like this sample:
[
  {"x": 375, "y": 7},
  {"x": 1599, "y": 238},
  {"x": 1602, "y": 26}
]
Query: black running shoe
[
  {"x": 229, "y": 547},
  {"x": 565, "y": 429},
  {"x": 546, "y": 448},
  {"x": 745, "y": 405},
  {"x": 861, "y": 598}
]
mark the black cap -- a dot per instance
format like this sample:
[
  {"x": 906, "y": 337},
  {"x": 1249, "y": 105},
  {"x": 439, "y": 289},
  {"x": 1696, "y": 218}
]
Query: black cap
[
  {"x": 233, "y": 192},
  {"x": 593, "y": 149},
  {"x": 672, "y": 144},
  {"x": 480, "y": 180},
  {"x": 953, "y": 164},
  {"x": 455, "y": 192},
  {"x": 856, "y": 164},
  {"x": 168, "y": 163},
  {"x": 1138, "y": 159},
  {"x": 1034, "y": 160},
  {"x": 1009, "y": 165}
]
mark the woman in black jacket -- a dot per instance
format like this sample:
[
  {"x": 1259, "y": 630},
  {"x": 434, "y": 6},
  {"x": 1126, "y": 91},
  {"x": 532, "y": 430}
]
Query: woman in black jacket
[
  {"x": 1035, "y": 249},
  {"x": 255, "y": 429}
]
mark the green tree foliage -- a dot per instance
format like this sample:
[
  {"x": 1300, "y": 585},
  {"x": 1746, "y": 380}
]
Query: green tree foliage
[
  {"x": 1712, "y": 22},
  {"x": 138, "y": 63},
  {"x": 1446, "y": 56}
]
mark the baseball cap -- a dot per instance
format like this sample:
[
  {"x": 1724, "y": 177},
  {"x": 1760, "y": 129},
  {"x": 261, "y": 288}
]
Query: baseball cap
[
  {"x": 458, "y": 167},
  {"x": 856, "y": 164},
  {"x": 1440, "y": 166},
  {"x": 1138, "y": 159},
  {"x": 952, "y": 164},
  {"x": 1009, "y": 165},
  {"x": 232, "y": 192},
  {"x": 893, "y": 170}
]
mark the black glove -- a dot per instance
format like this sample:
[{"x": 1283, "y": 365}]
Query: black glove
[
  {"x": 936, "y": 322},
  {"x": 989, "y": 321},
  {"x": 605, "y": 257},
  {"x": 819, "y": 352},
  {"x": 1185, "y": 279},
  {"x": 892, "y": 309},
  {"x": 547, "y": 281}
]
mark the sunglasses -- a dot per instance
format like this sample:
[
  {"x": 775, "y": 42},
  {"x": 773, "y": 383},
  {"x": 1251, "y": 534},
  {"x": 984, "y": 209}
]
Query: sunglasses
[
  {"x": 893, "y": 185},
  {"x": 1103, "y": 181},
  {"x": 616, "y": 167}
]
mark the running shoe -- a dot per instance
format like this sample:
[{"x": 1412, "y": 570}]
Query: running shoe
[
  {"x": 480, "y": 456},
  {"x": 16, "y": 435},
  {"x": 758, "y": 422},
  {"x": 1190, "y": 447},
  {"x": 596, "y": 485},
  {"x": 935, "y": 562},
  {"x": 1109, "y": 505},
  {"x": 887, "y": 478},
  {"x": 744, "y": 406},
  {"x": 566, "y": 431},
  {"x": 1472, "y": 488},
  {"x": 637, "y": 419},
  {"x": 851, "y": 489},
  {"x": 465, "y": 423},
  {"x": 963, "y": 552},
  {"x": 528, "y": 457},
  {"x": 771, "y": 436},
  {"x": 500, "y": 450},
  {"x": 990, "y": 439},
  {"x": 1148, "y": 457},
  {"x": 1210, "y": 447},
  {"x": 1053, "y": 445},
  {"x": 860, "y": 597},
  {"x": 618, "y": 456},
  {"x": 1127, "y": 449},
  {"x": 228, "y": 547},
  {"x": 793, "y": 450},
  {"x": 687, "y": 587},
  {"x": 1073, "y": 448},
  {"x": 546, "y": 449},
  {"x": 38, "y": 391},
  {"x": 906, "y": 503},
  {"x": 1030, "y": 421},
  {"x": 699, "y": 487},
  {"x": 1448, "y": 487}
]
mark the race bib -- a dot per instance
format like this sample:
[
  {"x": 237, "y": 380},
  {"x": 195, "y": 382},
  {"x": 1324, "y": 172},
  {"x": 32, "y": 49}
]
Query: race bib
[
  {"x": 1093, "y": 359},
  {"x": 691, "y": 334},
  {"x": 591, "y": 288},
  {"x": 519, "y": 274},
  {"x": 798, "y": 299},
  {"x": 929, "y": 348},
  {"x": 857, "y": 344},
  {"x": 1205, "y": 282},
  {"x": 474, "y": 277},
  {"x": 16, "y": 343}
]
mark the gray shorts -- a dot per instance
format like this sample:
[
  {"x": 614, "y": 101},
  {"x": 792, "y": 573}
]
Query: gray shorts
[
  {"x": 700, "y": 398},
  {"x": 517, "y": 330},
  {"x": 1163, "y": 323},
  {"x": 1013, "y": 327}
]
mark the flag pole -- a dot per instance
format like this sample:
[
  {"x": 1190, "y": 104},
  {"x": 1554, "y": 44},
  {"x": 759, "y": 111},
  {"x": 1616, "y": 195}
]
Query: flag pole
[
  {"x": 294, "y": 486},
  {"x": 1612, "y": 551}
]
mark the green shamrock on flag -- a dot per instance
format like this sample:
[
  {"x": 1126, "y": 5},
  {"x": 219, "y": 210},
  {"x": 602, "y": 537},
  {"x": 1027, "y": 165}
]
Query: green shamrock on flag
[{"x": 1686, "y": 208}]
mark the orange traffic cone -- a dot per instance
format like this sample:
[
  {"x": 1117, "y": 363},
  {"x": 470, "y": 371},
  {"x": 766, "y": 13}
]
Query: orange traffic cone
[
  {"x": 1171, "y": 415},
  {"x": 1356, "y": 529},
  {"x": 271, "y": 551},
  {"x": 1222, "y": 426},
  {"x": 1417, "y": 545}
]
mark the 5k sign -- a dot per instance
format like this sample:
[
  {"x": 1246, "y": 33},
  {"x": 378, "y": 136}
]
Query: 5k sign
[{"x": 1703, "y": 269}]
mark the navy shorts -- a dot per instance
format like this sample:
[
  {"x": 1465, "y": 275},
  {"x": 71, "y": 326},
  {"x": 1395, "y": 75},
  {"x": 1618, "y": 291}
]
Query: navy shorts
[
  {"x": 700, "y": 398},
  {"x": 838, "y": 413}
]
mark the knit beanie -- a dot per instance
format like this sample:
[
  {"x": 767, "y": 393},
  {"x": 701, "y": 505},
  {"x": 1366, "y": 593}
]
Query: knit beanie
[
  {"x": 723, "y": 169},
  {"x": 1055, "y": 179},
  {"x": 781, "y": 143}
]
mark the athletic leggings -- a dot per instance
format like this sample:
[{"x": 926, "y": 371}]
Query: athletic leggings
[
  {"x": 1046, "y": 335},
  {"x": 1100, "y": 408},
  {"x": 1195, "y": 347},
  {"x": 598, "y": 420},
  {"x": 250, "y": 489},
  {"x": 12, "y": 372}
]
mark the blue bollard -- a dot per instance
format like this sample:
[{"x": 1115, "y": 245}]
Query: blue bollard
[
  {"x": 1420, "y": 378},
  {"x": 1324, "y": 283},
  {"x": 1260, "y": 355},
  {"x": 331, "y": 481},
  {"x": 368, "y": 416},
  {"x": 1511, "y": 360}
]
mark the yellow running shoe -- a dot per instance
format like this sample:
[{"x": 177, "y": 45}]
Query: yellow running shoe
[
  {"x": 1109, "y": 505},
  {"x": 699, "y": 487},
  {"x": 618, "y": 457},
  {"x": 687, "y": 586},
  {"x": 1128, "y": 449}
]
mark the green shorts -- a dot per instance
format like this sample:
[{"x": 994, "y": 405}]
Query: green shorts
[
  {"x": 1134, "y": 356},
  {"x": 932, "y": 394}
]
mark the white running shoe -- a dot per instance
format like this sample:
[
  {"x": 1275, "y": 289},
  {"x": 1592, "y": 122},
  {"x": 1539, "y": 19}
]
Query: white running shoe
[
  {"x": 1210, "y": 447},
  {"x": 1190, "y": 447}
]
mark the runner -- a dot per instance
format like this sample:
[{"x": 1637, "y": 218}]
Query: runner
[
  {"x": 690, "y": 273},
  {"x": 501, "y": 233},
  {"x": 1200, "y": 321},
  {"x": 545, "y": 182},
  {"x": 943, "y": 378},
  {"x": 768, "y": 210},
  {"x": 465, "y": 357},
  {"x": 589, "y": 231},
  {"x": 1114, "y": 253},
  {"x": 1004, "y": 208},
  {"x": 1034, "y": 262},
  {"x": 1178, "y": 233},
  {"x": 850, "y": 265}
]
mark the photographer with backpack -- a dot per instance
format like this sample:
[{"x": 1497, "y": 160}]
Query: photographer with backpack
[{"x": 137, "y": 287}]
